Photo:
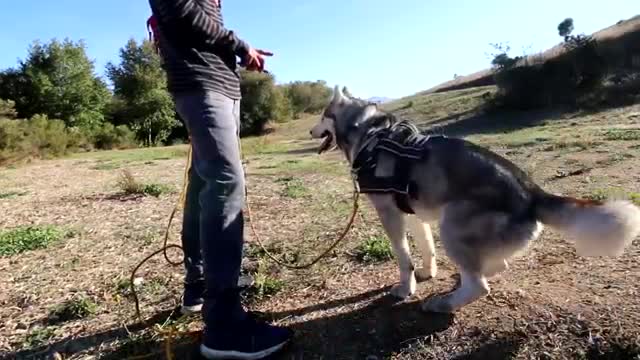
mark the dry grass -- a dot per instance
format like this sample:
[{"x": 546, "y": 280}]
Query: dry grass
[{"x": 551, "y": 304}]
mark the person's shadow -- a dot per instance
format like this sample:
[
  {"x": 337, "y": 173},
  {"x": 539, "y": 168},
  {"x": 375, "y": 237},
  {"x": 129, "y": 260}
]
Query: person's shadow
[{"x": 379, "y": 328}]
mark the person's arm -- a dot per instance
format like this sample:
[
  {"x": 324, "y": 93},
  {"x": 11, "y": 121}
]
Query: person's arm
[{"x": 189, "y": 13}]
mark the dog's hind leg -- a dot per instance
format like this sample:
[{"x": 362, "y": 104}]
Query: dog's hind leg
[
  {"x": 424, "y": 240},
  {"x": 393, "y": 221},
  {"x": 473, "y": 286}
]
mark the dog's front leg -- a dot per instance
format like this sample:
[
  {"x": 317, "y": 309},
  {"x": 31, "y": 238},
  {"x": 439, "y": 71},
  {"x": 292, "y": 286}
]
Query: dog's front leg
[
  {"x": 393, "y": 221},
  {"x": 424, "y": 239}
]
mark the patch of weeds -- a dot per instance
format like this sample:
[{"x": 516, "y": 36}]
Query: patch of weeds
[
  {"x": 525, "y": 143},
  {"x": 147, "y": 238},
  {"x": 28, "y": 238},
  {"x": 135, "y": 345},
  {"x": 580, "y": 145},
  {"x": 614, "y": 159},
  {"x": 80, "y": 307},
  {"x": 11, "y": 194},
  {"x": 264, "y": 285},
  {"x": 293, "y": 188},
  {"x": 123, "y": 286},
  {"x": 614, "y": 194},
  {"x": 39, "y": 336},
  {"x": 374, "y": 249},
  {"x": 107, "y": 166},
  {"x": 128, "y": 185},
  {"x": 622, "y": 134},
  {"x": 312, "y": 165},
  {"x": 598, "y": 195},
  {"x": 69, "y": 265},
  {"x": 263, "y": 145},
  {"x": 155, "y": 286}
]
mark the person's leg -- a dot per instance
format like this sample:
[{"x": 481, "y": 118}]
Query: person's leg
[
  {"x": 194, "y": 278},
  {"x": 213, "y": 122}
]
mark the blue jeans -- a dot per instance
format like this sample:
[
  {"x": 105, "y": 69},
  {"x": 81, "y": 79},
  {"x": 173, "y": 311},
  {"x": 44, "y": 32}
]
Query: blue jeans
[{"x": 213, "y": 226}]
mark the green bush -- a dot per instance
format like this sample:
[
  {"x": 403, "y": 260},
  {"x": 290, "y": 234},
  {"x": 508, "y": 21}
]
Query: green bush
[
  {"x": 37, "y": 137},
  {"x": 107, "y": 137},
  {"x": 40, "y": 137},
  {"x": 7, "y": 109},
  {"x": 262, "y": 102}
]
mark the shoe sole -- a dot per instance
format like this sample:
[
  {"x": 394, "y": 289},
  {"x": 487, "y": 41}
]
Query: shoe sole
[
  {"x": 236, "y": 355},
  {"x": 190, "y": 310}
]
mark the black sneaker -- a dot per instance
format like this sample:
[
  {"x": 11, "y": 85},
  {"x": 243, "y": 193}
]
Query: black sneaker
[
  {"x": 251, "y": 340},
  {"x": 192, "y": 298}
]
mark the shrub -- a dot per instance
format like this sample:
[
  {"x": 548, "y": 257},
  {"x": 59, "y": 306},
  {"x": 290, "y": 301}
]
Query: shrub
[
  {"x": 107, "y": 137},
  {"x": 128, "y": 185},
  {"x": 38, "y": 137},
  {"x": 261, "y": 102},
  {"x": 7, "y": 109}
]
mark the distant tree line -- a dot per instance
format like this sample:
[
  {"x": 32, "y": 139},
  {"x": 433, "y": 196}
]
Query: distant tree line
[{"x": 55, "y": 92}]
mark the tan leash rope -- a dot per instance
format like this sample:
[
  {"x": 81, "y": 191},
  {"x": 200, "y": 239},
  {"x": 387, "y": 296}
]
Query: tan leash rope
[{"x": 181, "y": 203}]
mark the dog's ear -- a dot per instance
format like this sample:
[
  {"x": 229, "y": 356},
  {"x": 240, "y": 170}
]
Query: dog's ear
[
  {"x": 338, "y": 96},
  {"x": 381, "y": 120},
  {"x": 368, "y": 112}
]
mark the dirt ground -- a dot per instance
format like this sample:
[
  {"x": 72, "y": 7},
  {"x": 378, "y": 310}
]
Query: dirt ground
[{"x": 550, "y": 304}]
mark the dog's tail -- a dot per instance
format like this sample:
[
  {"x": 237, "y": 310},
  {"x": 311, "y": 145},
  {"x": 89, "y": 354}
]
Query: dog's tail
[{"x": 598, "y": 228}]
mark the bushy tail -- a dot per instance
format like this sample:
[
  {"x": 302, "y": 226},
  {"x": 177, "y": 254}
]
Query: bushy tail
[{"x": 597, "y": 228}]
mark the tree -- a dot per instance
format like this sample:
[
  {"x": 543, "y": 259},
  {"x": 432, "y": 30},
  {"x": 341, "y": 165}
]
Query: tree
[
  {"x": 58, "y": 80},
  {"x": 262, "y": 101},
  {"x": 141, "y": 98},
  {"x": 307, "y": 96},
  {"x": 565, "y": 28}
]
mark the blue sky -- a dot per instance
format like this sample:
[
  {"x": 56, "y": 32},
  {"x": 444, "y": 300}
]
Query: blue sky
[{"x": 376, "y": 48}]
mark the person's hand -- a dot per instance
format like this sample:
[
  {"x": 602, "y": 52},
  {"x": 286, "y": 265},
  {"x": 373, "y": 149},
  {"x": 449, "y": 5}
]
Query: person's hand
[{"x": 255, "y": 59}]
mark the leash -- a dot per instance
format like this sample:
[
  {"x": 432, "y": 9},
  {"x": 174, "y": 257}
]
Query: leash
[{"x": 181, "y": 203}]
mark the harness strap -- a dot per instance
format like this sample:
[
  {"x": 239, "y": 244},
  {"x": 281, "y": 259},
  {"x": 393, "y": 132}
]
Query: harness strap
[{"x": 405, "y": 143}]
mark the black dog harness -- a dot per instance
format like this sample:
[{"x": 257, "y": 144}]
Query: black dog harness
[{"x": 402, "y": 141}]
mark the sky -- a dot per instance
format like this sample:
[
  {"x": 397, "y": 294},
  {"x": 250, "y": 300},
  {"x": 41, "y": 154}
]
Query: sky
[{"x": 389, "y": 48}]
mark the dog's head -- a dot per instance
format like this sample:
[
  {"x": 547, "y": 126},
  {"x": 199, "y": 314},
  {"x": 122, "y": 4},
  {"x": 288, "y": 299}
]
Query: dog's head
[{"x": 344, "y": 122}]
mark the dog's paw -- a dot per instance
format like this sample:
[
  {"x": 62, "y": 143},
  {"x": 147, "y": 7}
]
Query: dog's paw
[
  {"x": 424, "y": 274},
  {"x": 403, "y": 291},
  {"x": 437, "y": 304}
]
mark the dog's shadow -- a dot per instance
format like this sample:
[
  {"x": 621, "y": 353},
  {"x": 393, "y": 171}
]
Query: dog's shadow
[{"x": 380, "y": 328}]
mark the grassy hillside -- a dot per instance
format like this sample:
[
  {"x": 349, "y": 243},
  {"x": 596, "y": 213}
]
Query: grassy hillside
[
  {"x": 619, "y": 43},
  {"x": 72, "y": 231}
]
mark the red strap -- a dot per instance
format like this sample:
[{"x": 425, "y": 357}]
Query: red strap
[{"x": 152, "y": 28}]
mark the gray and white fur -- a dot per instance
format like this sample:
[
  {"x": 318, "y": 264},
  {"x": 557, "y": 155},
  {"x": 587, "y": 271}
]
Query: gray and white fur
[{"x": 488, "y": 209}]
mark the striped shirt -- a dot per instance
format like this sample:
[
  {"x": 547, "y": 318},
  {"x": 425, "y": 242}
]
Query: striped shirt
[{"x": 198, "y": 52}]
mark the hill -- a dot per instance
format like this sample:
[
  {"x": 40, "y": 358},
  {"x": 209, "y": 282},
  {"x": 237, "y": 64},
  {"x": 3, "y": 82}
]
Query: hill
[{"x": 619, "y": 40}]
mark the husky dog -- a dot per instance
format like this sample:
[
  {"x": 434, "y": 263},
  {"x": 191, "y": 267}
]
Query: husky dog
[{"x": 488, "y": 209}]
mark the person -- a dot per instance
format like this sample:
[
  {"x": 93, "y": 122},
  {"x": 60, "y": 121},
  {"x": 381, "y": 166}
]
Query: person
[{"x": 200, "y": 57}]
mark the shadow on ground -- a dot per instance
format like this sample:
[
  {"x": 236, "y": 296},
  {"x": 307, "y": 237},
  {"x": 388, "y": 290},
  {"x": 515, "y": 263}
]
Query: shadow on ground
[
  {"x": 376, "y": 328},
  {"x": 490, "y": 123}
]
